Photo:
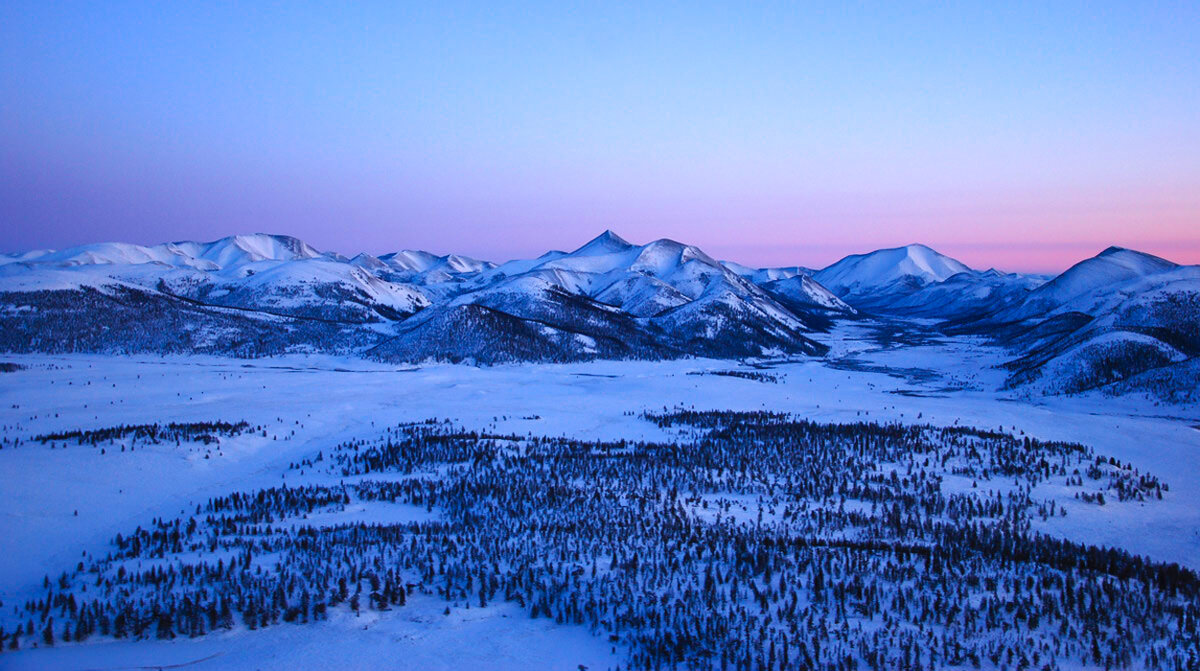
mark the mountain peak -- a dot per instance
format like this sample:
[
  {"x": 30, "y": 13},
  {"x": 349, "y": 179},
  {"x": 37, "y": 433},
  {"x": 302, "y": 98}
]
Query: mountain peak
[
  {"x": 365, "y": 260},
  {"x": 925, "y": 256},
  {"x": 605, "y": 243},
  {"x": 411, "y": 260},
  {"x": 1107, "y": 269},
  {"x": 1133, "y": 258},
  {"x": 885, "y": 269},
  {"x": 235, "y": 249}
]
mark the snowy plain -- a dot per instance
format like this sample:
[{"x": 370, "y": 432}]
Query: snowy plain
[{"x": 62, "y": 503}]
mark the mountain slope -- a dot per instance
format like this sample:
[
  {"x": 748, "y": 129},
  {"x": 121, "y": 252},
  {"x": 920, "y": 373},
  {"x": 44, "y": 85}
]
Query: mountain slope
[
  {"x": 1112, "y": 322},
  {"x": 276, "y": 274},
  {"x": 664, "y": 298},
  {"x": 122, "y": 319},
  {"x": 869, "y": 279},
  {"x": 608, "y": 298},
  {"x": 965, "y": 295},
  {"x": 803, "y": 292},
  {"x": 317, "y": 287},
  {"x": 1103, "y": 321},
  {"x": 763, "y": 275},
  {"x": 1088, "y": 279}
]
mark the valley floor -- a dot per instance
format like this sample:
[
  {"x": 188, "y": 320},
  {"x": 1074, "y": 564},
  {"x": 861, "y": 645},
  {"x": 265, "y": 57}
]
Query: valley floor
[{"x": 60, "y": 503}]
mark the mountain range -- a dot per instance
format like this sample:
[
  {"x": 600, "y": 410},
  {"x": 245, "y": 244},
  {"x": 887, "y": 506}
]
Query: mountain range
[{"x": 1121, "y": 320}]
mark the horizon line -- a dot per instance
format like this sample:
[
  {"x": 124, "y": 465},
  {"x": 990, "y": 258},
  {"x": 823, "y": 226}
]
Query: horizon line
[{"x": 723, "y": 257}]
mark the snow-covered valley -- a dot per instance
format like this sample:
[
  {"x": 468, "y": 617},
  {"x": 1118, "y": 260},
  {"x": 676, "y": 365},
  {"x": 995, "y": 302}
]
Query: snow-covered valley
[{"x": 67, "y": 499}]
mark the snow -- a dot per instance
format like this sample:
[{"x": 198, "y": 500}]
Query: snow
[
  {"x": 607, "y": 260},
  {"x": 1090, "y": 279},
  {"x": 885, "y": 267},
  {"x": 224, "y": 253},
  {"x": 62, "y": 503},
  {"x": 1109, "y": 267},
  {"x": 335, "y": 399},
  {"x": 464, "y": 264},
  {"x": 1123, "y": 337},
  {"x": 372, "y": 263},
  {"x": 1119, "y": 295},
  {"x": 295, "y": 283},
  {"x": 418, "y": 636},
  {"x": 663, "y": 280},
  {"x": 764, "y": 275},
  {"x": 642, "y": 296},
  {"x": 260, "y": 272},
  {"x": 605, "y": 243},
  {"x": 328, "y": 399},
  {"x": 803, "y": 289},
  {"x": 412, "y": 260},
  {"x": 965, "y": 293}
]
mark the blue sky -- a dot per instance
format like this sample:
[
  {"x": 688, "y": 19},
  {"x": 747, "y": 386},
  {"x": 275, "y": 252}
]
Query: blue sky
[{"x": 1024, "y": 136}]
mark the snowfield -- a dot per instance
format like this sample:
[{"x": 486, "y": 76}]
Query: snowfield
[
  {"x": 64, "y": 500},
  {"x": 499, "y": 637}
]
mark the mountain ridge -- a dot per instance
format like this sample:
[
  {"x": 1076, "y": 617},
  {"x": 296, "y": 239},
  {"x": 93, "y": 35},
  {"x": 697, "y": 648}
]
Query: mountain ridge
[
  {"x": 660, "y": 299},
  {"x": 1105, "y": 320}
]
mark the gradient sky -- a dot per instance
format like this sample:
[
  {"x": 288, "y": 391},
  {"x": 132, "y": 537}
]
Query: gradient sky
[{"x": 1021, "y": 136}]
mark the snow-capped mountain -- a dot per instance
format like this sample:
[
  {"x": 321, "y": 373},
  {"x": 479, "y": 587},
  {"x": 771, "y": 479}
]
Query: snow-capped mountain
[
  {"x": 965, "y": 295},
  {"x": 793, "y": 286},
  {"x": 271, "y": 273},
  {"x": 1087, "y": 280},
  {"x": 428, "y": 268},
  {"x": 1108, "y": 319},
  {"x": 320, "y": 287},
  {"x": 437, "y": 276},
  {"x": 1113, "y": 318},
  {"x": 917, "y": 281},
  {"x": 801, "y": 291},
  {"x": 658, "y": 299},
  {"x": 764, "y": 275},
  {"x": 880, "y": 276},
  {"x": 233, "y": 251},
  {"x": 609, "y": 298}
]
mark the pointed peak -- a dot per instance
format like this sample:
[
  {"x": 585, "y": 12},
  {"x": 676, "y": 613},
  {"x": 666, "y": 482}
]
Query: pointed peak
[
  {"x": 365, "y": 260},
  {"x": 605, "y": 243},
  {"x": 609, "y": 234},
  {"x": 1113, "y": 250}
]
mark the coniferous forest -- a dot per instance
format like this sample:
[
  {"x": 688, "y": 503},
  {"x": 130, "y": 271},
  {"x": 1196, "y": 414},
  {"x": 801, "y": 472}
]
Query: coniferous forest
[{"x": 750, "y": 540}]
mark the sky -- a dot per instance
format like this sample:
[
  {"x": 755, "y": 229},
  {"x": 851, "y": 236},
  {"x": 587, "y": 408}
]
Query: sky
[{"x": 1023, "y": 136}]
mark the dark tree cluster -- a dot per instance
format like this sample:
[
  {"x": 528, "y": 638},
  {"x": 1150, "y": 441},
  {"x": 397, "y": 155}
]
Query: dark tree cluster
[
  {"x": 757, "y": 376},
  {"x": 201, "y": 432},
  {"x": 1174, "y": 384},
  {"x": 753, "y": 541}
]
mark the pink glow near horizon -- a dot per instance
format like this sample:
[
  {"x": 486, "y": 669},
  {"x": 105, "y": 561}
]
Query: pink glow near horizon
[{"x": 1024, "y": 138}]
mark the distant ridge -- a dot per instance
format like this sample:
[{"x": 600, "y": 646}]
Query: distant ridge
[
  {"x": 1122, "y": 317},
  {"x": 889, "y": 271},
  {"x": 607, "y": 299}
]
